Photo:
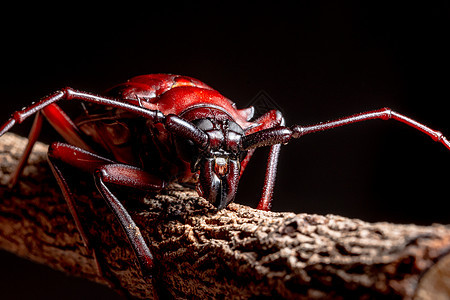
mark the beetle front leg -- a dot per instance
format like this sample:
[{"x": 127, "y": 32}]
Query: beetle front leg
[
  {"x": 282, "y": 135},
  {"x": 107, "y": 172},
  {"x": 118, "y": 174},
  {"x": 270, "y": 119}
]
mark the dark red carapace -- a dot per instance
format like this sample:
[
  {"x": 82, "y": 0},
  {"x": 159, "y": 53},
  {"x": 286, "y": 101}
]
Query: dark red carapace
[{"x": 155, "y": 129}]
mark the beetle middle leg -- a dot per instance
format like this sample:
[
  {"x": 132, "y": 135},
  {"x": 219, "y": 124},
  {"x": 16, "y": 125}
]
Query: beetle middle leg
[{"x": 107, "y": 172}]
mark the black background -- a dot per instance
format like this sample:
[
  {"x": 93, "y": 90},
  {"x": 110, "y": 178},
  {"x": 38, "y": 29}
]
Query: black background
[{"x": 316, "y": 60}]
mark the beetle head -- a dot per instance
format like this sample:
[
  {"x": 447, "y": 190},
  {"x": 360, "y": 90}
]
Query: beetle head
[{"x": 219, "y": 164}]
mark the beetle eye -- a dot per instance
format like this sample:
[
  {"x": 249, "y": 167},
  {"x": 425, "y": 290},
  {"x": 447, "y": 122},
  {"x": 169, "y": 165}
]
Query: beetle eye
[
  {"x": 233, "y": 126},
  {"x": 204, "y": 124}
]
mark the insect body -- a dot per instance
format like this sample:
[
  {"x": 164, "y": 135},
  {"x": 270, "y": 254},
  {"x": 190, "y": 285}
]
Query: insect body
[{"x": 154, "y": 129}]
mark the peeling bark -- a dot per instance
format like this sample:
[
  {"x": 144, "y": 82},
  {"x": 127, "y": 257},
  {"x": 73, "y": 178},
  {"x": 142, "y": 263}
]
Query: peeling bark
[{"x": 238, "y": 252}]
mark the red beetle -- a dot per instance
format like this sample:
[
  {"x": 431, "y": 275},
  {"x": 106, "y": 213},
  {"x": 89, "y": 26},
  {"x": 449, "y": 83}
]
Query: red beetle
[{"x": 154, "y": 129}]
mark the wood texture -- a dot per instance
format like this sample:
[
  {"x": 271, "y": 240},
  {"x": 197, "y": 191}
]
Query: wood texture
[{"x": 238, "y": 252}]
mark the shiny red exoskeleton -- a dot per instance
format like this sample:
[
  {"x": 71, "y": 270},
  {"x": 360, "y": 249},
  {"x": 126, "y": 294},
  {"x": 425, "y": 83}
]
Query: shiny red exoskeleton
[{"x": 154, "y": 129}]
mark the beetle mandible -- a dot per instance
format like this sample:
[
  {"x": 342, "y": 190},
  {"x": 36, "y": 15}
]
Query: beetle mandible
[{"x": 154, "y": 129}]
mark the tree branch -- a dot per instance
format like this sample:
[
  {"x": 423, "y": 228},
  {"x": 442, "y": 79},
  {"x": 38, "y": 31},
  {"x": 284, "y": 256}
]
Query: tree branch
[{"x": 237, "y": 252}]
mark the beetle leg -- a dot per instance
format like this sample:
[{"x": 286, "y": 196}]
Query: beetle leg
[
  {"x": 62, "y": 153},
  {"x": 65, "y": 126},
  {"x": 32, "y": 137},
  {"x": 117, "y": 174},
  {"x": 107, "y": 172},
  {"x": 270, "y": 119},
  {"x": 281, "y": 135},
  {"x": 61, "y": 122},
  {"x": 265, "y": 202}
]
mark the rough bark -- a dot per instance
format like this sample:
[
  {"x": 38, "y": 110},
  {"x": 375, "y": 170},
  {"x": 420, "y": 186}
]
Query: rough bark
[{"x": 238, "y": 252}]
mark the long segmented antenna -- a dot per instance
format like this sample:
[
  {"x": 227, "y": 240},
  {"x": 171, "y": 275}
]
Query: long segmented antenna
[
  {"x": 175, "y": 124},
  {"x": 282, "y": 134}
]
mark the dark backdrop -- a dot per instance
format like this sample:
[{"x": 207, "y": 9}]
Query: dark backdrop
[{"x": 316, "y": 61}]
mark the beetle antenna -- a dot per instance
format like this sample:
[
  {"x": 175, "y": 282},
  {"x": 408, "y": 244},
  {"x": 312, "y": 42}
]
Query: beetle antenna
[
  {"x": 282, "y": 135},
  {"x": 267, "y": 137},
  {"x": 187, "y": 130}
]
